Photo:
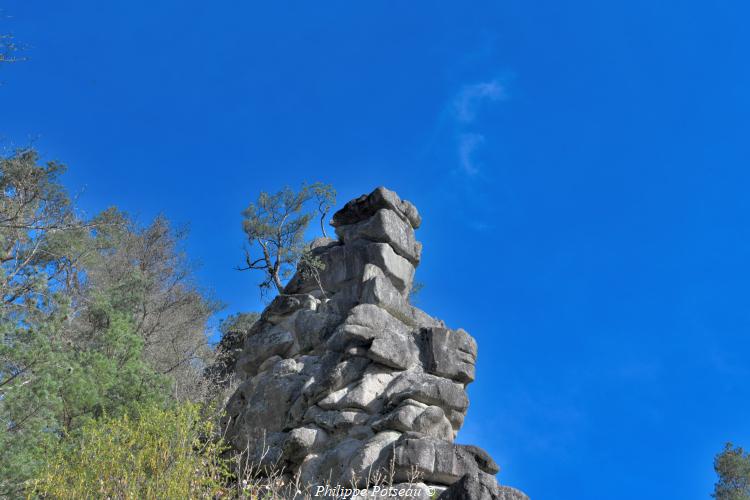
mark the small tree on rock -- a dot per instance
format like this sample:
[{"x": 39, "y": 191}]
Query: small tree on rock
[
  {"x": 325, "y": 196},
  {"x": 275, "y": 227}
]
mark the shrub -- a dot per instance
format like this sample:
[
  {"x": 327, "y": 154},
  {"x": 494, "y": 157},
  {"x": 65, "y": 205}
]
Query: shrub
[{"x": 158, "y": 453}]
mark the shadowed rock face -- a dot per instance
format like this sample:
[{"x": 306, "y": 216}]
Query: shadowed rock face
[{"x": 343, "y": 377}]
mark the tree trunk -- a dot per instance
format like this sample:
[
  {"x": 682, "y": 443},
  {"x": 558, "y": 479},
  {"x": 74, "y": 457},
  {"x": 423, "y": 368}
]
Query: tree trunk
[
  {"x": 277, "y": 282},
  {"x": 322, "y": 226}
]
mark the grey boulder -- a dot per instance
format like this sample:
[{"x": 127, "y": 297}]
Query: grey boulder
[
  {"x": 384, "y": 227},
  {"x": 480, "y": 487},
  {"x": 367, "y": 205}
]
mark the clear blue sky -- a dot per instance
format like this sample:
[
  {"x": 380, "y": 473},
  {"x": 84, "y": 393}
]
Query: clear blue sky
[{"x": 582, "y": 169}]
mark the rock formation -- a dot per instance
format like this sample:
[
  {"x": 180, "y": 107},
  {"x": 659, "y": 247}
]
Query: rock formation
[{"x": 344, "y": 378}]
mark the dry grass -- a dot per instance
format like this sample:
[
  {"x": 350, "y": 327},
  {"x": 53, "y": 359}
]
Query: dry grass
[{"x": 256, "y": 482}]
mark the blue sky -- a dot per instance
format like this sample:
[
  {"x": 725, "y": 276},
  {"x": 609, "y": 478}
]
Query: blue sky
[{"x": 581, "y": 167}]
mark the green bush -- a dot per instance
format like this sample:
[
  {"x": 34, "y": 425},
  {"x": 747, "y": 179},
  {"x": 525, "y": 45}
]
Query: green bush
[{"x": 158, "y": 453}]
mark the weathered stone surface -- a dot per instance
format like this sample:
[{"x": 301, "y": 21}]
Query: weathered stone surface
[
  {"x": 450, "y": 353},
  {"x": 319, "y": 244},
  {"x": 398, "y": 269},
  {"x": 382, "y": 337},
  {"x": 384, "y": 227},
  {"x": 284, "y": 305},
  {"x": 269, "y": 363},
  {"x": 334, "y": 376},
  {"x": 413, "y": 416},
  {"x": 336, "y": 421},
  {"x": 394, "y": 351},
  {"x": 257, "y": 412},
  {"x": 333, "y": 464},
  {"x": 366, "y": 206},
  {"x": 434, "y": 423},
  {"x": 440, "y": 461},
  {"x": 508, "y": 493},
  {"x": 483, "y": 459},
  {"x": 345, "y": 264},
  {"x": 311, "y": 328},
  {"x": 371, "y": 457},
  {"x": 345, "y": 380},
  {"x": 365, "y": 323},
  {"x": 423, "y": 320},
  {"x": 481, "y": 487},
  {"x": 428, "y": 389},
  {"x": 271, "y": 341},
  {"x": 378, "y": 291},
  {"x": 402, "y": 417},
  {"x": 301, "y": 441},
  {"x": 365, "y": 394}
]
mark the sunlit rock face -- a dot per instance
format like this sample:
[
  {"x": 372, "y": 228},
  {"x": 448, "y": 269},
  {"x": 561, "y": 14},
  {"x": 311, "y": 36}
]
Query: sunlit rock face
[{"x": 345, "y": 380}]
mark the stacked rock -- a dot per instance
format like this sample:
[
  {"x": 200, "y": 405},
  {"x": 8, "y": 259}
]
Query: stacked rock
[{"x": 345, "y": 381}]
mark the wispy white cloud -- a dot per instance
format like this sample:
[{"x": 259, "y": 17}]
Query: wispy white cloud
[
  {"x": 470, "y": 99},
  {"x": 465, "y": 108},
  {"x": 468, "y": 143}
]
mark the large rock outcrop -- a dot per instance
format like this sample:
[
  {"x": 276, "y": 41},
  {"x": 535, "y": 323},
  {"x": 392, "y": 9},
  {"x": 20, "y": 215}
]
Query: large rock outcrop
[{"x": 345, "y": 380}]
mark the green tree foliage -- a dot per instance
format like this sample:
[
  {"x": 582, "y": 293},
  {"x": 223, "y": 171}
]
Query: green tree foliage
[
  {"x": 275, "y": 227},
  {"x": 733, "y": 468},
  {"x": 146, "y": 274},
  {"x": 98, "y": 317},
  {"x": 32, "y": 209},
  {"x": 33, "y": 316},
  {"x": 156, "y": 453},
  {"x": 101, "y": 318}
]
